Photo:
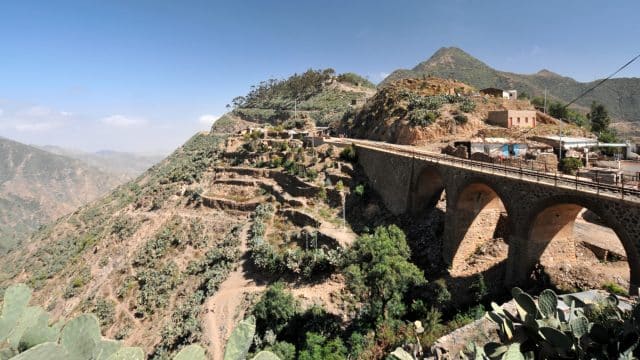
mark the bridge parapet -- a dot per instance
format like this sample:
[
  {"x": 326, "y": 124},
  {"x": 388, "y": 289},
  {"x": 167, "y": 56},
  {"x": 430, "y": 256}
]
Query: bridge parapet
[{"x": 540, "y": 206}]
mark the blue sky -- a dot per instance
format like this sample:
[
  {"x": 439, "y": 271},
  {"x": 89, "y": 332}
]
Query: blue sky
[{"x": 146, "y": 75}]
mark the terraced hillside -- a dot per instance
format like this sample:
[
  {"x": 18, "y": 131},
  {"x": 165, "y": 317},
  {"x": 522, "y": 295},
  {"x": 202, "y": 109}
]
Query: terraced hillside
[
  {"x": 148, "y": 258},
  {"x": 318, "y": 96}
]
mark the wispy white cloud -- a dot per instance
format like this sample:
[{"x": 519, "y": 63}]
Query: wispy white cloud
[
  {"x": 36, "y": 112},
  {"x": 37, "y": 126},
  {"x": 208, "y": 119},
  {"x": 121, "y": 121},
  {"x": 1, "y": 112}
]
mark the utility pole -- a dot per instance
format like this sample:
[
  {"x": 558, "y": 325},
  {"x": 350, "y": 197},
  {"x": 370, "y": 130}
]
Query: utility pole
[
  {"x": 344, "y": 211},
  {"x": 560, "y": 148},
  {"x": 544, "y": 109}
]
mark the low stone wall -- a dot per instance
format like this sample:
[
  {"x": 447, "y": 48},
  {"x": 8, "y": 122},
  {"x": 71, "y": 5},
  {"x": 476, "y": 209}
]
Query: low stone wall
[
  {"x": 228, "y": 204},
  {"x": 300, "y": 218}
]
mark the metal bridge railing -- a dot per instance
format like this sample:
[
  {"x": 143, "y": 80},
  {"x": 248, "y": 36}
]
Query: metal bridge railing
[{"x": 619, "y": 190}]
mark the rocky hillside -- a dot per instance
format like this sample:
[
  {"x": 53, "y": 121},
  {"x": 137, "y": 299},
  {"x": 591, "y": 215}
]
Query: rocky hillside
[
  {"x": 320, "y": 96},
  {"x": 621, "y": 96},
  {"x": 36, "y": 187},
  {"x": 149, "y": 258},
  {"x": 433, "y": 112}
]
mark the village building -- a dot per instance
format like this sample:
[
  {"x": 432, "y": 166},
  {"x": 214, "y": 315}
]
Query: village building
[
  {"x": 499, "y": 93},
  {"x": 493, "y": 147},
  {"x": 512, "y": 118}
]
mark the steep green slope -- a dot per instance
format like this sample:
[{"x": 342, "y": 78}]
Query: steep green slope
[
  {"x": 321, "y": 96},
  {"x": 37, "y": 187},
  {"x": 621, "y": 96}
]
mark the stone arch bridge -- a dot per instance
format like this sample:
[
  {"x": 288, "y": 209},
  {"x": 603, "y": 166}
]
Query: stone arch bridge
[{"x": 540, "y": 207}]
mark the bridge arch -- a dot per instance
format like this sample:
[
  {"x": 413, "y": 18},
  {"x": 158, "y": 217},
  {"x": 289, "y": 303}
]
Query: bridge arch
[
  {"x": 477, "y": 228},
  {"x": 427, "y": 190},
  {"x": 550, "y": 238}
]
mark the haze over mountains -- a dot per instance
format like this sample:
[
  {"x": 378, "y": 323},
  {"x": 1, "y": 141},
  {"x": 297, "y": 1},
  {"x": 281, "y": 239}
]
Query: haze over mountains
[
  {"x": 37, "y": 186},
  {"x": 127, "y": 165},
  {"x": 621, "y": 96}
]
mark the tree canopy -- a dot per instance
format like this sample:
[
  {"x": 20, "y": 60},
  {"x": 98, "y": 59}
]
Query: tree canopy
[{"x": 381, "y": 273}]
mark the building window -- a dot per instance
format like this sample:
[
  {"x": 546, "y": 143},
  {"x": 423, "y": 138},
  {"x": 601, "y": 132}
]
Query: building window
[
  {"x": 526, "y": 120},
  {"x": 518, "y": 120}
]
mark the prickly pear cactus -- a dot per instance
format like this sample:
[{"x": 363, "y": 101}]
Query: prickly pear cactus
[
  {"x": 266, "y": 355},
  {"x": 240, "y": 340},
  {"x": 80, "y": 337},
  {"x": 27, "y": 320},
  {"x": 39, "y": 333},
  {"x": 579, "y": 326},
  {"x": 191, "y": 352},
  {"x": 46, "y": 351},
  {"x": 526, "y": 306},
  {"x": 105, "y": 348},
  {"x": 127, "y": 353},
  {"x": 16, "y": 299},
  {"x": 548, "y": 303}
]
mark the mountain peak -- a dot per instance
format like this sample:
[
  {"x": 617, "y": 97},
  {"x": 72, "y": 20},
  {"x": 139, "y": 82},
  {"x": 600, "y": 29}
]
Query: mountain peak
[
  {"x": 547, "y": 73},
  {"x": 450, "y": 57}
]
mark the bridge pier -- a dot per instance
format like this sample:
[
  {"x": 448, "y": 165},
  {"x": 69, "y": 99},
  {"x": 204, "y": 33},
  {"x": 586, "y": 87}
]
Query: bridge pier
[{"x": 540, "y": 214}]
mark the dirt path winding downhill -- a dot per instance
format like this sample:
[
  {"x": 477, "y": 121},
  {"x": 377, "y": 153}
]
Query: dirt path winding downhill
[{"x": 224, "y": 309}]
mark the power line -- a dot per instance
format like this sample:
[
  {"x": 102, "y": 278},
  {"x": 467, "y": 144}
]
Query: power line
[{"x": 602, "y": 81}]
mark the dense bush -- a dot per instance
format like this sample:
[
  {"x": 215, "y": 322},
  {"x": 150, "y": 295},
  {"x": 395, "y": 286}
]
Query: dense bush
[
  {"x": 380, "y": 273},
  {"x": 105, "y": 310},
  {"x": 155, "y": 287},
  {"x": 423, "y": 117},
  {"x": 460, "y": 119},
  {"x": 275, "y": 308},
  {"x": 569, "y": 165},
  {"x": 467, "y": 105},
  {"x": 184, "y": 327},
  {"x": 217, "y": 263},
  {"x": 349, "y": 153},
  {"x": 355, "y": 79}
]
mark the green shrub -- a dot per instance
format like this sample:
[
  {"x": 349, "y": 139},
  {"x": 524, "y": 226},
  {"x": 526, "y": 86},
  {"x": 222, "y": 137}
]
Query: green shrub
[
  {"x": 460, "y": 119},
  {"x": 615, "y": 289},
  {"x": 318, "y": 347},
  {"x": 105, "y": 310},
  {"x": 349, "y": 153},
  {"x": 359, "y": 190},
  {"x": 155, "y": 287},
  {"x": 569, "y": 165},
  {"x": 274, "y": 309},
  {"x": 184, "y": 327},
  {"x": 77, "y": 282},
  {"x": 423, "y": 117},
  {"x": 467, "y": 105},
  {"x": 380, "y": 272}
]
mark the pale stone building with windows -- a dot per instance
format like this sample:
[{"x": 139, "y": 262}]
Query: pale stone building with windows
[{"x": 512, "y": 118}]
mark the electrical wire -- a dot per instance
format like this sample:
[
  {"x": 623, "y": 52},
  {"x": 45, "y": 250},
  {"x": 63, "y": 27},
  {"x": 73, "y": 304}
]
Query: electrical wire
[{"x": 602, "y": 81}]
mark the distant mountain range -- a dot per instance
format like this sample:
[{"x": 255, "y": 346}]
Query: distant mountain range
[
  {"x": 38, "y": 186},
  {"x": 127, "y": 165},
  {"x": 621, "y": 96}
]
